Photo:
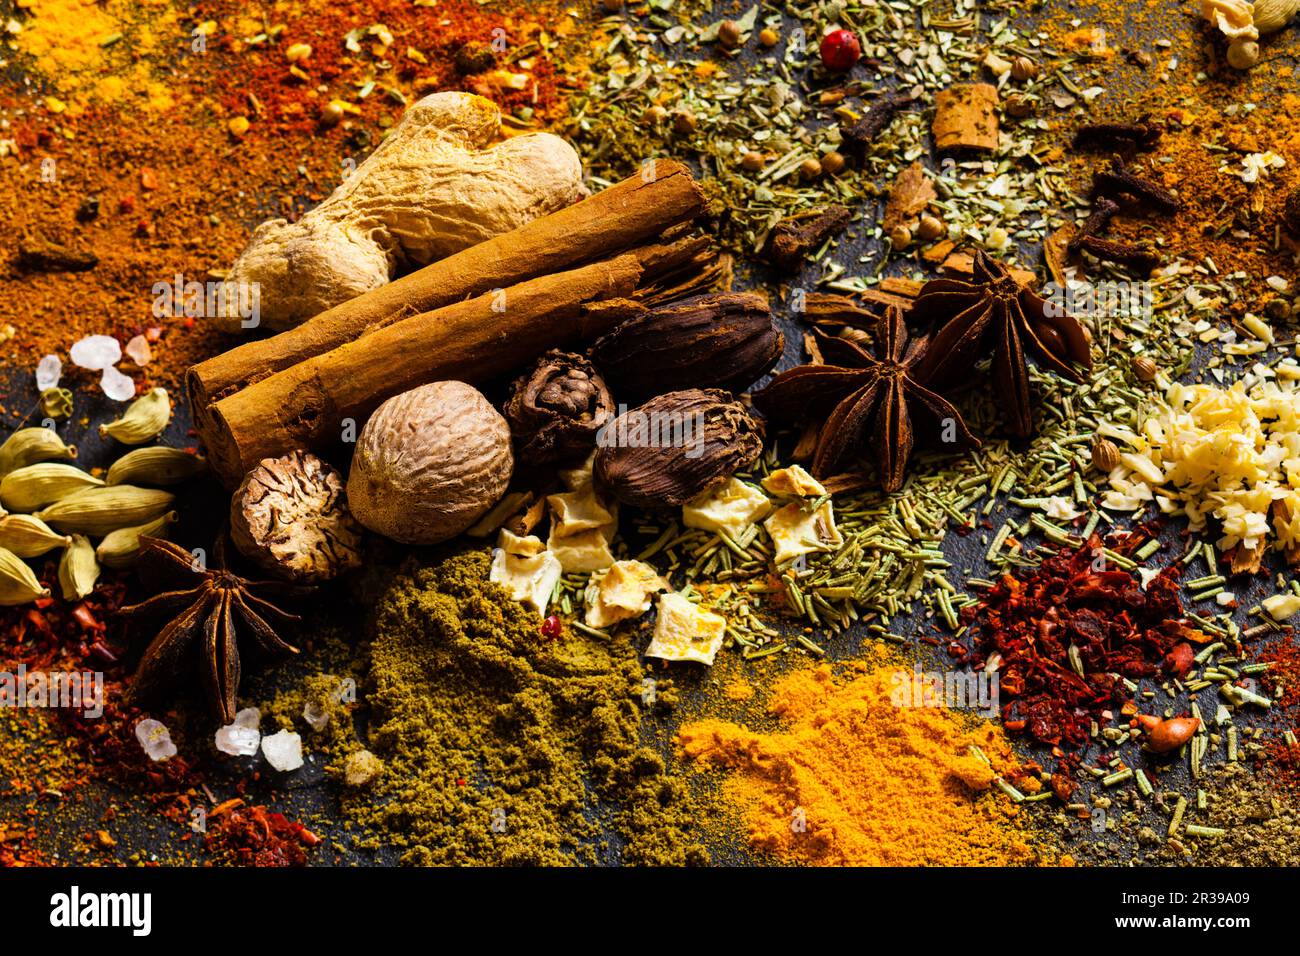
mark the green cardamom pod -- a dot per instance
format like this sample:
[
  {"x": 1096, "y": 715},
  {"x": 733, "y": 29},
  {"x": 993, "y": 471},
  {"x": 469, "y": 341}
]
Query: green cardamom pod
[
  {"x": 35, "y": 486},
  {"x": 18, "y": 585},
  {"x": 29, "y": 537},
  {"x": 78, "y": 569},
  {"x": 156, "y": 466},
  {"x": 30, "y": 445},
  {"x": 120, "y": 548},
  {"x": 97, "y": 511},
  {"x": 144, "y": 420}
]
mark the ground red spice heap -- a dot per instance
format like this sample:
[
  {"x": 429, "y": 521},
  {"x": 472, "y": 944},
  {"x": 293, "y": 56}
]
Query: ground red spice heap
[
  {"x": 255, "y": 836},
  {"x": 1029, "y": 621}
]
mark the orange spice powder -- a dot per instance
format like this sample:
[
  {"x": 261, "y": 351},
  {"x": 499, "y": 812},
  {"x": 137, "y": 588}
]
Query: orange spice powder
[{"x": 851, "y": 779}]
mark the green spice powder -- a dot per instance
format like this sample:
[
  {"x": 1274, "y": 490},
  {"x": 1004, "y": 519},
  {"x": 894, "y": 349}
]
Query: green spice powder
[{"x": 498, "y": 742}]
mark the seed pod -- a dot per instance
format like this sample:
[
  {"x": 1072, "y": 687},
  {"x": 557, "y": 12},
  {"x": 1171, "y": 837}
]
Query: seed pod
[
  {"x": 156, "y": 467},
  {"x": 556, "y": 408},
  {"x": 120, "y": 548},
  {"x": 35, "y": 486},
  {"x": 675, "y": 447},
  {"x": 30, "y": 445},
  {"x": 144, "y": 420},
  {"x": 97, "y": 511},
  {"x": 18, "y": 584},
  {"x": 78, "y": 569},
  {"x": 29, "y": 537},
  {"x": 720, "y": 340}
]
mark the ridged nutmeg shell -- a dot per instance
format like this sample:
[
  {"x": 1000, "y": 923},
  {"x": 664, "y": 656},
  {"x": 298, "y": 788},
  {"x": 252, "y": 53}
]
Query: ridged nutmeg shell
[
  {"x": 720, "y": 340},
  {"x": 557, "y": 407},
  {"x": 675, "y": 447}
]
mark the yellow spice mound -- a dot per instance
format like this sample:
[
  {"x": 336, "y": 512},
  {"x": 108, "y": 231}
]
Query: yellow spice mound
[{"x": 854, "y": 780}]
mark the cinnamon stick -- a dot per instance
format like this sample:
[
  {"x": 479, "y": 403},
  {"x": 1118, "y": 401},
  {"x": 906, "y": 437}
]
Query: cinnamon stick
[
  {"x": 306, "y": 405},
  {"x": 628, "y": 214}
]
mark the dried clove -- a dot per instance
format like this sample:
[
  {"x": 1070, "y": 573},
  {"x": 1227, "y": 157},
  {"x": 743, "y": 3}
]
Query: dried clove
[
  {"x": 1120, "y": 181},
  {"x": 859, "y": 137},
  {"x": 1103, "y": 211},
  {"x": 1135, "y": 256},
  {"x": 793, "y": 239},
  {"x": 1110, "y": 136}
]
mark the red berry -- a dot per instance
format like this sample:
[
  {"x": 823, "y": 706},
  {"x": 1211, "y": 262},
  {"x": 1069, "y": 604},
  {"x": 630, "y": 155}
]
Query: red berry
[
  {"x": 840, "y": 49},
  {"x": 551, "y": 627}
]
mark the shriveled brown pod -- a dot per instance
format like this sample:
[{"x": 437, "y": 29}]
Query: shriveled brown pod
[
  {"x": 290, "y": 517},
  {"x": 556, "y": 408},
  {"x": 675, "y": 447},
  {"x": 720, "y": 340}
]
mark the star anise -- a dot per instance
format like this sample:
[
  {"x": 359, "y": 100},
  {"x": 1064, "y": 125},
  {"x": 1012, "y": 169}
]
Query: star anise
[
  {"x": 210, "y": 609},
  {"x": 869, "y": 399},
  {"x": 995, "y": 305}
]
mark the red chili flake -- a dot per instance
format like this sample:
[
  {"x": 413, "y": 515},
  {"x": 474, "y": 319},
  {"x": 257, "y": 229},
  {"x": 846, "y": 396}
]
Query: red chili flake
[
  {"x": 86, "y": 619},
  {"x": 551, "y": 627},
  {"x": 1030, "y": 621}
]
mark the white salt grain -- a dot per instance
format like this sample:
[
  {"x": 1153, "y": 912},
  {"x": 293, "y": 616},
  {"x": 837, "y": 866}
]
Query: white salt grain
[
  {"x": 96, "y": 352},
  {"x": 155, "y": 740},
  {"x": 317, "y": 717},
  {"x": 238, "y": 741},
  {"x": 283, "y": 751},
  {"x": 138, "y": 351},
  {"x": 48, "y": 372},
  {"x": 117, "y": 386}
]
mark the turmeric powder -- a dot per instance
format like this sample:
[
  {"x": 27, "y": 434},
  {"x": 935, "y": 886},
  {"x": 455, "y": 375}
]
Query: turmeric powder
[{"x": 854, "y": 780}]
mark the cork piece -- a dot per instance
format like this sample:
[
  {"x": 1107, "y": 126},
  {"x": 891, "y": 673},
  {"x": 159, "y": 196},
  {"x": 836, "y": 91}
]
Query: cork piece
[{"x": 966, "y": 117}]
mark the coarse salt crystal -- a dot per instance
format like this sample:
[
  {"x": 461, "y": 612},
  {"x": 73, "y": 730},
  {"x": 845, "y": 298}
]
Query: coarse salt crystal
[
  {"x": 117, "y": 386},
  {"x": 155, "y": 739},
  {"x": 283, "y": 751},
  {"x": 317, "y": 717},
  {"x": 138, "y": 351},
  {"x": 48, "y": 372},
  {"x": 96, "y": 352},
  {"x": 238, "y": 741}
]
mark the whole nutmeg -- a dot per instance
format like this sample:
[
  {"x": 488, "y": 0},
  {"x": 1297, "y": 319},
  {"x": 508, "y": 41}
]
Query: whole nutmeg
[
  {"x": 675, "y": 447},
  {"x": 290, "y": 517},
  {"x": 1171, "y": 734},
  {"x": 556, "y": 408},
  {"x": 429, "y": 463},
  {"x": 1023, "y": 68},
  {"x": 718, "y": 340},
  {"x": 1105, "y": 455},
  {"x": 1145, "y": 368}
]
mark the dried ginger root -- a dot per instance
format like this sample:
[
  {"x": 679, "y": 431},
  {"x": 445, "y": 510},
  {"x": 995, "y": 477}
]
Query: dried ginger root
[{"x": 434, "y": 186}]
